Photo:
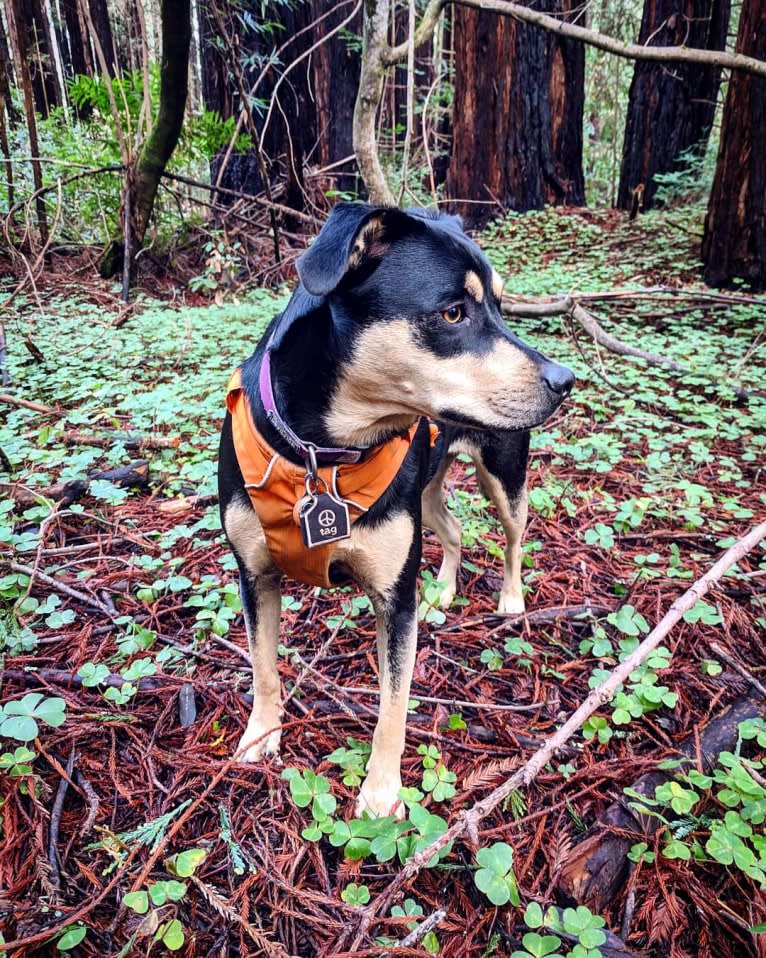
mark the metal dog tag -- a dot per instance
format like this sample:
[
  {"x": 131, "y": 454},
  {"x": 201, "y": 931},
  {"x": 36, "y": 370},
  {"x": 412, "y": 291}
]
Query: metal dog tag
[{"x": 324, "y": 520}]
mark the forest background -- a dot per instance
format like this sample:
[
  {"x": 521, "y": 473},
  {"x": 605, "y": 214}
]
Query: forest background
[{"x": 163, "y": 163}]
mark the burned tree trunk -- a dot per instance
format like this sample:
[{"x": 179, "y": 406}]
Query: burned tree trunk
[
  {"x": 671, "y": 106},
  {"x": 734, "y": 243},
  {"x": 335, "y": 70},
  {"x": 517, "y": 121}
]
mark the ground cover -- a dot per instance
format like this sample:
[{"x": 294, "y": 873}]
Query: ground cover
[{"x": 121, "y": 621}]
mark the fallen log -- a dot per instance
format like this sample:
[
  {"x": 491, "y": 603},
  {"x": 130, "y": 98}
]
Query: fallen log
[
  {"x": 128, "y": 440},
  {"x": 595, "y": 869},
  {"x": 134, "y": 475}
]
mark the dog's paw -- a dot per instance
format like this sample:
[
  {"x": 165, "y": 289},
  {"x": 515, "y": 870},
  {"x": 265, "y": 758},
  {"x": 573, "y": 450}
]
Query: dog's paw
[
  {"x": 259, "y": 741},
  {"x": 510, "y": 605},
  {"x": 380, "y": 799},
  {"x": 446, "y": 597}
]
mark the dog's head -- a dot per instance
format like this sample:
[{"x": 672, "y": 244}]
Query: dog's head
[{"x": 416, "y": 305}]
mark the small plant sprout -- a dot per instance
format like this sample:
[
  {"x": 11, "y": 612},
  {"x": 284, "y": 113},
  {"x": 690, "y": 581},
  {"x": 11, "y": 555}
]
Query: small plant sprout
[
  {"x": 494, "y": 875},
  {"x": 354, "y": 894},
  {"x": 20, "y": 718}
]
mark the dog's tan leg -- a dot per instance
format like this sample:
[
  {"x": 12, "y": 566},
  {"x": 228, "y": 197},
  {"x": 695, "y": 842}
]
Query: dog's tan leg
[
  {"x": 513, "y": 516},
  {"x": 437, "y": 516},
  {"x": 261, "y": 603},
  {"x": 397, "y": 639}
]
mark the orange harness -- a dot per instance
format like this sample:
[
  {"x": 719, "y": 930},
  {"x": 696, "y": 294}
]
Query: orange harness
[{"x": 281, "y": 484}]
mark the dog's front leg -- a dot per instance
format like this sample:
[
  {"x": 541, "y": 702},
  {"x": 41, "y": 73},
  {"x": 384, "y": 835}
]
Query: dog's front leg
[
  {"x": 261, "y": 604},
  {"x": 396, "y": 628}
]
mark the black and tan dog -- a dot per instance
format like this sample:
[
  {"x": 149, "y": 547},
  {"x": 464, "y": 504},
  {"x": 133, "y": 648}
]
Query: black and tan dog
[{"x": 396, "y": 321}]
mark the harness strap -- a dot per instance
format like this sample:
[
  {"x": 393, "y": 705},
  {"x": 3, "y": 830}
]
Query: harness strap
[{"x": 275, "y": 485}]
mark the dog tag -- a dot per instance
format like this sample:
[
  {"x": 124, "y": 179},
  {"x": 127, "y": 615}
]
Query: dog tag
[{"x": 324, "y": 520}]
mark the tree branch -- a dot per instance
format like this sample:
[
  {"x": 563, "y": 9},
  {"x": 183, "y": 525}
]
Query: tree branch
[
  {"x": 468, "y": 821},
  {"x": 629, "y": 51}
]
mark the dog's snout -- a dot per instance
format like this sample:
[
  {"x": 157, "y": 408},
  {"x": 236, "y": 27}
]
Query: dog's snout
[{"x": 558, "y": 379}]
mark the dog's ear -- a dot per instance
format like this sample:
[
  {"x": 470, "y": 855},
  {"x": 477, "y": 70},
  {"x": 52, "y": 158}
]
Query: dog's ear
[{"x": 354, "y": 233}]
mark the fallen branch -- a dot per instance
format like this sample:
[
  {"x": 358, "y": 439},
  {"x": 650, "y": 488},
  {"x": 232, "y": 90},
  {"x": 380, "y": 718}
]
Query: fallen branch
[
  {"x": 134, "y": 475},
  {"x": 128, "y": 440},
  {"x": 569, "y": 306},
  {"x": 468, "y": 821},
  {"x": 27, "y": 404},
  {"x": 614, "y": 345}
]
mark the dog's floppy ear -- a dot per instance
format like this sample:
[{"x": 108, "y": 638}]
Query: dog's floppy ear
[{"x": 353, "y": 233}]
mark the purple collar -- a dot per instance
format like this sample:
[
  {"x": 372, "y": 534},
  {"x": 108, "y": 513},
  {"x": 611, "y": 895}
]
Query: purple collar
[{"x": 323, "y": 454}]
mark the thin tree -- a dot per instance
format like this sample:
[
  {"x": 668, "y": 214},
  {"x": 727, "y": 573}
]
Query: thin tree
[
  {"x": 144, "y": 174},
  {"x": 734, "y": 242}
]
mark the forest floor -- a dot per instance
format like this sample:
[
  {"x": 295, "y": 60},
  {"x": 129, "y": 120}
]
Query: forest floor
[{"x": 120, "y": 617}]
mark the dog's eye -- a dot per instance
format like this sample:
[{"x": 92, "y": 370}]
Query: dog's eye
[{"x": 453, "y": 315}]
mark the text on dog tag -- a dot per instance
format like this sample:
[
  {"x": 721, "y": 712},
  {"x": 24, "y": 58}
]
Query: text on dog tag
[{"x": 324, "y": 520}]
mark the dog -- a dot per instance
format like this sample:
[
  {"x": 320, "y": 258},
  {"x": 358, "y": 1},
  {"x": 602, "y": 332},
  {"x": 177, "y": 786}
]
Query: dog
[{"x": 395, "y": 325}]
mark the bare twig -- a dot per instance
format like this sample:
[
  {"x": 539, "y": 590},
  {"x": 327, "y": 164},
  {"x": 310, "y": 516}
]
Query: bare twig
[{"x": 748, "y": 676}]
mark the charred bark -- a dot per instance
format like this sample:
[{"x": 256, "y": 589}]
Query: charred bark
[
  {"x": 517, "y": 121},
  {"x": 734, "y": 242},
  {"x": 335, "y": 71},
  {"x": 671, "y": 107}
]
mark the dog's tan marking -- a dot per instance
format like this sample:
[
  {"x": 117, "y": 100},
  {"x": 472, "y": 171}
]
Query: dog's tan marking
[
  {"x": 245, "y": 533},
  {"x": 379, "y": 794},
  {"x": 392, "y": 379},
  {"x": 375, "y": 556},
  {"x": 513, "y": 517},
  {"x": 437, "y": 516},
  {"x": 497, "y": 284},
  {"x": 369, "y": 243},
  {"x": 474, "y": 286},
  {"x": 261, "y": 736}
]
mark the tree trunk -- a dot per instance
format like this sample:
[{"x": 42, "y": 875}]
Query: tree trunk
[
  {"x": 80, "y": 62},
  {"x": 99, "y": 13},
  {"x": 734, "y": 243},
  {"x": 671, "y": 108},
  {"x": 517, "y": 119},
  {"x": 21, "y": 45},
  {"x": 335, "y": 70},
  {"x": 174, "y": 79},
  {"x": 144, "y": 179},
  {"x": 7, "y": 81}
]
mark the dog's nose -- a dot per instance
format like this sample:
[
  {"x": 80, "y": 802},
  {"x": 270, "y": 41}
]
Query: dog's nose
[{"x": 558, "y": 379}]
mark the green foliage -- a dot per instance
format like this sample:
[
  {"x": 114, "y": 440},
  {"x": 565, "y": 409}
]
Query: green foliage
[
  {"x": 437, "y": 779},
  {"x": 577, "y": 923},
  {"x": 383, "y": 838},
  {"x": 352, "y": 760},
  {"x": 71, "y": 937},
  {"x": 728, "y": 806},
  {"x": 16, "y": 763},
  {"x": 90, "y": 215}
]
